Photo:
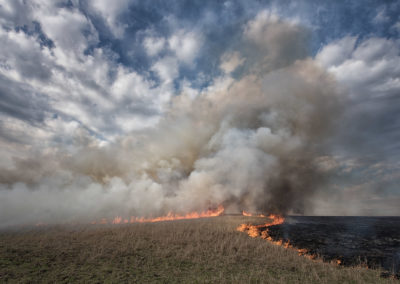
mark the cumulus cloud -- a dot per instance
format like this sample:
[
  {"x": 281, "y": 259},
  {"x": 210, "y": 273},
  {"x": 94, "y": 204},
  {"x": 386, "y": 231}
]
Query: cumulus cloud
[
  {"x": 249, "y": 143},
  {"x": 368, "y": 73},
  {"x": 167, "y": 69},
  {"x": 89, "y": 130},
  {"x": 69, "y": 30},
  {"x": 154, "y": 45},
  {"x": 110, "y": 11},
  {"x": 56, "y": 67},
  {"x": 185, "y": 45},
  {"x": 336, "y": 53},
  {"x": 367, "y": 67}
]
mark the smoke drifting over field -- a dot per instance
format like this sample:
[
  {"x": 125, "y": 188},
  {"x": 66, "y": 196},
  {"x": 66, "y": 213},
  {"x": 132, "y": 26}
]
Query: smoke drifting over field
[{"x": 250, "y": 141}]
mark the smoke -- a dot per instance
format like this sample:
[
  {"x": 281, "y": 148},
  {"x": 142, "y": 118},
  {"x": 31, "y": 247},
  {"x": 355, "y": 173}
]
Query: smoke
[{"x": 249, "y": 143}]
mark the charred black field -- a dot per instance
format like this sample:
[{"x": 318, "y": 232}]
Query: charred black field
[
  {"x": 370, "y": 241},
  {"x": 206, "y": 250}
]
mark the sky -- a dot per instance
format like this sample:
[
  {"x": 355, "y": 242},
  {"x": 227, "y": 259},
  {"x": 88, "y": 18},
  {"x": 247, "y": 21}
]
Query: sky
[{"x": 139, "y": 108}]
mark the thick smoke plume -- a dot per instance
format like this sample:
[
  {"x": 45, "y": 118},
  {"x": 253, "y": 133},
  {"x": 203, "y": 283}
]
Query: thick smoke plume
[{"x": 248, "y": 143}]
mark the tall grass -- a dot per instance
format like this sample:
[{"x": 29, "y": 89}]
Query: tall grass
[{"x": 193, "y": 251}]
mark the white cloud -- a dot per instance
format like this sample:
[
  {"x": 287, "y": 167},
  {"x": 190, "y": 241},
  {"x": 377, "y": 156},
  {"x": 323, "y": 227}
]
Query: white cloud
[
  {"x": 167, "y": 69},
  {"x": 153, "y": 45},
  {"x": 110, "y": 10},
  {"x": 129, "y": 84},
  {"x": 71, "y": 32},
  {"x": 368, "y": 75},
  {"x": 335, "y": 53},
  {"x": 90, "y": 89},
  {"x": 76, "y": 95},
  {"x": 188, "y": 90},
  {"x": 14, "y": 12},
  {"x": 129, "y": 123},
  {"x": 22, "y": 57},
  {"x": 231, "y": 61},
  {"x": 372, "y": 65},
  {"x": 186, "y": 45}
]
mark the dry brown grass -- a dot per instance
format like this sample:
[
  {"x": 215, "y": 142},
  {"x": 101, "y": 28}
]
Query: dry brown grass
[{"x": 192, "y": 251}]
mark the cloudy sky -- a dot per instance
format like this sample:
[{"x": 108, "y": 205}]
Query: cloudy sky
[{"x": 125, "y": 107}]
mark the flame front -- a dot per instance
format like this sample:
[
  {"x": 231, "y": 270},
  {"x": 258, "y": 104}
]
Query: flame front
[
  {"x": 255, "y": 231},
  {"x": 246, "y": 213},
  {"x": 169, "y": 217}
]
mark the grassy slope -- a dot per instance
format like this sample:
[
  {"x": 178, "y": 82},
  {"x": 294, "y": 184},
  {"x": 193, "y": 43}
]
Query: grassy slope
[{"x": 203, "y": 250}]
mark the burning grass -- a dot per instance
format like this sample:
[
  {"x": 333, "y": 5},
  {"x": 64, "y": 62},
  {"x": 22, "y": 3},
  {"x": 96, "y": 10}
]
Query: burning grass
[
  {"x": 184, "y": 251},
  {"x": 169, "y": 217}
]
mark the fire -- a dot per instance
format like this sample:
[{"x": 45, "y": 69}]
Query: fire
[
  {"x": 248, "y": 214},
  {"x": 169, "y": 217},
  {"x": 276, "y": 220},
  {"x": 255, "y": 231}
]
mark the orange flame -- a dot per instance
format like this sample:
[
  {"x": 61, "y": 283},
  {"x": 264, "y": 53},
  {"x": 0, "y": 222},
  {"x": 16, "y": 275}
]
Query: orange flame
[
  {"x": 246, "y": 213},
  {"x": 169, "y": 217},
  {"x": 254, "y": 230},
  {"x": 276, "y": 220}
]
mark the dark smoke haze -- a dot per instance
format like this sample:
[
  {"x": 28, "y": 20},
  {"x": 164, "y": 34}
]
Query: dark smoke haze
[{"x": 251, "y": 143}]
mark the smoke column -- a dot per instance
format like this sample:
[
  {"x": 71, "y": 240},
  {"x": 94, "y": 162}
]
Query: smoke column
[{"x": 249, "y": 141}]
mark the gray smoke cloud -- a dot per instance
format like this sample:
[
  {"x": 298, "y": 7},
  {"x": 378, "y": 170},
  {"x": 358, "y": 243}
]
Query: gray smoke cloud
[{"x": 249, "y": 142}]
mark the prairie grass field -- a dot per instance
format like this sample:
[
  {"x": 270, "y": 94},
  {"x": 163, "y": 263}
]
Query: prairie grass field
[{"x": 207, "y": 250}]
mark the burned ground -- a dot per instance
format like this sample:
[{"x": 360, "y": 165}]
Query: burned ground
[{"x": 370, "y": 241}]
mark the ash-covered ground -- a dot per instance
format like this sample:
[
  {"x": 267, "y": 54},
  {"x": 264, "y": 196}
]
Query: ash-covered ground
[{"x": 374, "y": 241}]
